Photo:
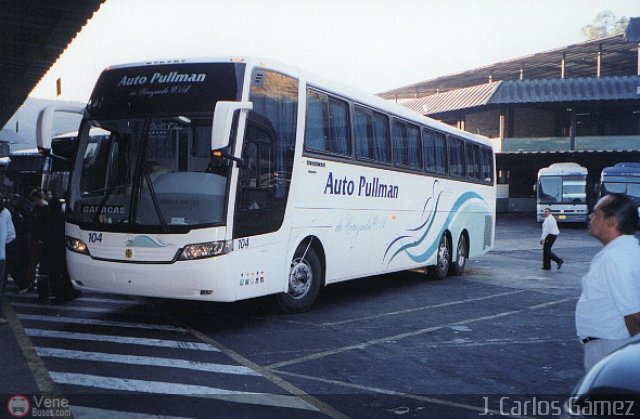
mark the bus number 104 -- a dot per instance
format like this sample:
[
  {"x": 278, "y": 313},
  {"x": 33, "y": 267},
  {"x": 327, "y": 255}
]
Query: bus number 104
[{"x": 95, "y": 237}]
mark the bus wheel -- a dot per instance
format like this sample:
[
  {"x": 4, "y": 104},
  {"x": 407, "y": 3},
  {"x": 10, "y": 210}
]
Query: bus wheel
[
  {"x": 457, "y": 267},
  {"x": 441, "y": 269},
  {"x": 305, "y": 279}
]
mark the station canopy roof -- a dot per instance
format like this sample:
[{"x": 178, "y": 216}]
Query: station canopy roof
[
  {"x": 618, "y": 58},
  {"x": 529, "y": 91},
  {"x": 33, "y": 34}
]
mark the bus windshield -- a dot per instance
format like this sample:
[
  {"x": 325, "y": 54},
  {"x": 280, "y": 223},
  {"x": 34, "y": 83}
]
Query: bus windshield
[
  {"x": 154, "y": 174},
  {"x": 569, "y": 189},
  {"x": 153, "y": 171},
  {"x": 630, "y": 189}
]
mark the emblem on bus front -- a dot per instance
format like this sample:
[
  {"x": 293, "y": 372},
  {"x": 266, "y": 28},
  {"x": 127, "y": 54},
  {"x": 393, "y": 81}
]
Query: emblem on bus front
[{"x": 128, "y": 253}]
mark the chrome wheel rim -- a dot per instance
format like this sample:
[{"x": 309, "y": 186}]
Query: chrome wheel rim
[
  {"x": 443, "y": 255},
  {"x": 462, "y": 252},
  {"x": 300, "y": 278}
]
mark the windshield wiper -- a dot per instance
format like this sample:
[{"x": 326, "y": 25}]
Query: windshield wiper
[
  {"x": 104, "y": 200},
  {"x": 156, "y": 205}
]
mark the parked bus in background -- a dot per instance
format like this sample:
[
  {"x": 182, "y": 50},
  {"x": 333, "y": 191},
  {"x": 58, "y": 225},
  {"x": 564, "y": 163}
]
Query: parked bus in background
[
  {"x": 62, "y": 153},
  {"x": 228, "y": 179},
  {"x": 623, "y": 178},
  {"x": 25, "y": 171},
  {"x": 562, "y": 187}
]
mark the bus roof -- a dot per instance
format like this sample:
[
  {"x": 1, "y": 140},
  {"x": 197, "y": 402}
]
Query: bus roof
[
  {"x": 364, "y": 98},
  {"x": 622, "y": 169},
  {"x": 564, "y": 168}
]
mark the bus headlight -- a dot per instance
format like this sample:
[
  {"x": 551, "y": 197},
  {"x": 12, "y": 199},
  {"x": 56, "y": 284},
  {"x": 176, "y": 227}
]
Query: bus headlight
[
  {"x": 206, "y": 250},
  {"x": 76, "y": 245}
]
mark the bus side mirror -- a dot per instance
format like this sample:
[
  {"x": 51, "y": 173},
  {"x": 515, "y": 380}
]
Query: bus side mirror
[
  {"x": 44, "y": 130},
  {"x": 222, "y": 120}
]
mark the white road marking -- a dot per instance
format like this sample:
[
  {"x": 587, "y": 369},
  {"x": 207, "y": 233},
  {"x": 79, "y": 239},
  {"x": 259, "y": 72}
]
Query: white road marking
[
  {"x": 98, "y": 322},
  {"x": 364, "y": 345},
  {"x": 189, "y": 390},
  {"x": 145, "y": 360},
  {"x": 69, "y": 308},
  {"x": 411, "y": 310},
  {"x": 121, "y": 339}
]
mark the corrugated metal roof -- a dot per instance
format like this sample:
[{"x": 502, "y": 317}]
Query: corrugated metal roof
[
  {"x": 469, "y": 97},
  {"x": 567, "y": 90},
  {"x": 619, "y": 58},
  {"x": 529, "y": 91},
  {"x": 33, "y": 34}
]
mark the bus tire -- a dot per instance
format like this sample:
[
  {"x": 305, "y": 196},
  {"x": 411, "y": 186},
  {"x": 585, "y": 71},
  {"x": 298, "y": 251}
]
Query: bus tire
[
  {"x": 304, "y": 281},
  {"x": 462, "y": 253},
  {"x": 443, "y": 259}
]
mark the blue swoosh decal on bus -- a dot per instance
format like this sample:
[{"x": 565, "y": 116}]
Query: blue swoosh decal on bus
[
  {"x": 430, "y": 218},
  {"x": 420, "y": 258},
  {"x": 145, "y": 241}
]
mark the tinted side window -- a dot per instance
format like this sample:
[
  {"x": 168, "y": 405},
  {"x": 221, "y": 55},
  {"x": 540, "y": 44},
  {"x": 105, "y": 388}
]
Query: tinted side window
[
  {"x": 487, "y": 164},
  {"x": 429, "y": 150},
  {"x": 456, "y": 157},
  {"x": 406, "y": 143},
  {"x": 317, "y": 125},
  {"x": 414, "y": 147},
  {"x": 327, "y": 124},
  {"x": 472, "y": 158},
  {"x": 382, "y": 140},
  {"x": 441, "y": 152},
  {"x": 363, "y": 129},
  {"x": 339, "y": 126}
]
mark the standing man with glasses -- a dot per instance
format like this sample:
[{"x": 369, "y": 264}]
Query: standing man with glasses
[
  {"x": 550, "y": 233},
  {"x": 608, "y": 311}
]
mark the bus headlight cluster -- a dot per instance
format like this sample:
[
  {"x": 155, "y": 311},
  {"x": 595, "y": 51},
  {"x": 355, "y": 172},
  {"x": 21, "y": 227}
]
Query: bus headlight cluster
[
  {"x": 206, "y": 250},
  {"x": 76, "y": 245}
]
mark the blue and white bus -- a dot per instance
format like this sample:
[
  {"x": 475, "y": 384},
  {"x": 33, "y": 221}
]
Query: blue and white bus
[
  {"x": 228, "y": 179},
  {"x": 623, "y": 178}
]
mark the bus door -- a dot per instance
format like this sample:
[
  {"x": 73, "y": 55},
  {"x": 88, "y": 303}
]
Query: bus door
[{"x": 254, "y": 213}]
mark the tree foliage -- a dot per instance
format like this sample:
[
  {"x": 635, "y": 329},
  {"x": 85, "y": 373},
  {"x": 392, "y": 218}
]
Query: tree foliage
[{"x": 605, "y": 24}]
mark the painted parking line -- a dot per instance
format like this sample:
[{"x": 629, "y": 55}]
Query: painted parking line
[
  {"x": 412, "y": 310},
  {"x": 394, "y": 338},
  {"x": 98, "y": 322},
  {"x": 144, "y": 361},
  {"x": 121, "y": 339},
  {"x": 189, "y": 390},
  {"x": 70, "y": 308}
]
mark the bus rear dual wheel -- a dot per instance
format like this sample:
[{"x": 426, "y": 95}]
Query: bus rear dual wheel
[
  {"x": 304, "y": 281},
  {"x": 444, "y": 265}
]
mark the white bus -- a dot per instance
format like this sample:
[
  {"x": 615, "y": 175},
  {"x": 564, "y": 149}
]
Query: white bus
[
  {"x": 562, "y": 187},
  {"x": 228, "y": 179}
]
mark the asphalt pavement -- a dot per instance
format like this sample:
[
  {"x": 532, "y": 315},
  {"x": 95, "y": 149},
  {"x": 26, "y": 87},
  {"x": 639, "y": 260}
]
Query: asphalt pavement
[{"x": 505, "y": 327}]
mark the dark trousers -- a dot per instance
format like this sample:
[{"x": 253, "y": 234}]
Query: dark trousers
[{"x": 547, "y": 254}]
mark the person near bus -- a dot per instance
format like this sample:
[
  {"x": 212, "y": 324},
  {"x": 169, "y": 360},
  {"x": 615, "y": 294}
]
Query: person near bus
[
  {"x": 5, "y": 235},
  {"x": 53, "y": 256},
  {"x": 608, "y": 311},
  {"x": 22, "y": 214},
  {"x": 550, "y": 232},
  {"x": 38, "y": 226}
]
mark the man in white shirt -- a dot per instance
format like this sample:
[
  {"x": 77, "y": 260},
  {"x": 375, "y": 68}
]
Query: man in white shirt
[
  {"x": 550, "y": 233},
  {"x": 608, "y": 311}
]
